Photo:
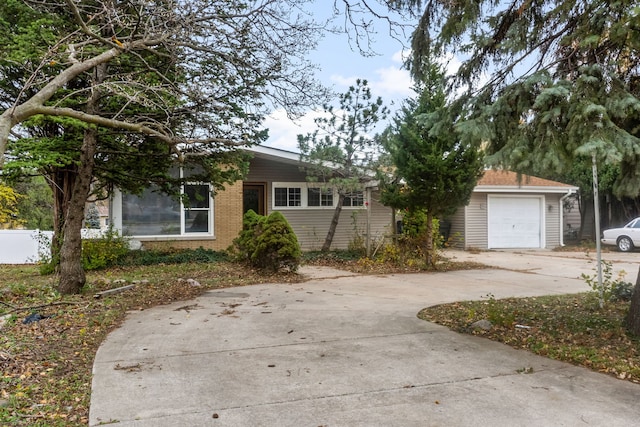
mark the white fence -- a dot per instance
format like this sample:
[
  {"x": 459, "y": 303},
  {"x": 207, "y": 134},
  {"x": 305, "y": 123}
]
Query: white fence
[
  {"x": 28, "y": 246},
  {"x": 23, "y": 246}
]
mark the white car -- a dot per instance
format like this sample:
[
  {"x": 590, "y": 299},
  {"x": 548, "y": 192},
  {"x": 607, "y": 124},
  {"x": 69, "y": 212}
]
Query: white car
[{"x": 625, "y": 238}]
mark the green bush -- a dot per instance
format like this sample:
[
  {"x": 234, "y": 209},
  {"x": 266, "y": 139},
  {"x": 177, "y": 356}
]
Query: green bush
[
  {"x": 410, "y": 245},
  {"x": 103, "y": 252},
  {"x": 267, "y": 242},
  {"x": 176, "y": 256},
  {"x": 96, "y": 253},
  {"x": 244, "y": 245},
  {"x": 276, "y": 245},
  {"x": 612, "y": 289},
  {"x": 414, "y": 223}
]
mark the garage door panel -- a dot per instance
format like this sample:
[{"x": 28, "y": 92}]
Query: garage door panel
[{"x": 515, "y": 222}]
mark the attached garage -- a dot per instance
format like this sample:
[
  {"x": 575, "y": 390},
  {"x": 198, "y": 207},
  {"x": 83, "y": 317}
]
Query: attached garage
[{"x": 507, "y": 211}]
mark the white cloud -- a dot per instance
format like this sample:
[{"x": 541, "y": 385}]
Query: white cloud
[
  {"x": 392, "y": 83},
  {"x": 451, "y": 63},
  {"x": 401, "y": 56},
  {"x": 283, "y": 132},
  {"x": 389, "y": 81}
]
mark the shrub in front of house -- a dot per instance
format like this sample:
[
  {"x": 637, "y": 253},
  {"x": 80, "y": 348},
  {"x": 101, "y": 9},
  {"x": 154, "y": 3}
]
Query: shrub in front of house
[
  {"x": 276, "y": 245},
  {"x": 103, "y": 252},
  {"x": 245, "y": 244},
  {"x": 268, "y": 243}
]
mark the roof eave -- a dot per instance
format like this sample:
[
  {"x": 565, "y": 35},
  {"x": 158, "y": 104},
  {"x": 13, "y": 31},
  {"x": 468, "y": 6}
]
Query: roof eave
[{"x": 523, "y": 189}]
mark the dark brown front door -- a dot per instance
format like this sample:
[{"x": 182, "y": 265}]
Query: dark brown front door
[{"x": 253, "y": 198}]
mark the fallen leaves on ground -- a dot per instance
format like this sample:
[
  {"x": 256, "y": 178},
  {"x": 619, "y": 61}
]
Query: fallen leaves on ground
[
  {"x": 570, "y": 328},
  {"x": 46, "y": 364}
]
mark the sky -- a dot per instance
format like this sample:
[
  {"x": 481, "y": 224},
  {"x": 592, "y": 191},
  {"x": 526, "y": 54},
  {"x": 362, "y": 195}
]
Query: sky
[{"x": 339, "y": 67}]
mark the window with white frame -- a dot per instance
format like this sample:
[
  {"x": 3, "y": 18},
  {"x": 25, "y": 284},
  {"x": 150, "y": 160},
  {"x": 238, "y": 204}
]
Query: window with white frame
[
  {"x": 318, "y": 196},
  {"x": 287, "y": 196},
  {"x": 354, "y": 199},
  {"x": 156, "y": 214},
  {"x": 197, "y": 214},
  {"x": 296, "y": 195}
]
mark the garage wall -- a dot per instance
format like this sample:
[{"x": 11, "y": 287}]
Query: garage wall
[
  {"x": 469, "y": 225},
  {"x": 553, "y": 229},
  {"x": 476, "y": 222}
]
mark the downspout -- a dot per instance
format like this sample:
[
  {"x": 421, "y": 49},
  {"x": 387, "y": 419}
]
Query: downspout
[{"x": 562, "y": 199}]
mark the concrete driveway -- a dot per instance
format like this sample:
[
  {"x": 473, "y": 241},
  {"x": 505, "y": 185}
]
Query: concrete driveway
[{"x": 347, "y": 350}]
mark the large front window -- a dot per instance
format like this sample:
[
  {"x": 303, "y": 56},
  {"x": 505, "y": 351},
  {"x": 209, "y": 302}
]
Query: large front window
[{"x": 156, "y": 214}]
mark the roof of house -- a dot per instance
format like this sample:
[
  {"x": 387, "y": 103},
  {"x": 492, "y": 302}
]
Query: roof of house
[
  {"x": 500, "y": 180},
  {"x": 277, "y": 154}
]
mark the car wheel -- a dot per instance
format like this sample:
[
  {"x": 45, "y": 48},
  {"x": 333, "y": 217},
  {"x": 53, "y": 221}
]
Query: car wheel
[{"x": 625, "y": 244}]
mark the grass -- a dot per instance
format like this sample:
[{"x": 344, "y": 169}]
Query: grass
[{"x": 571, "y": 328}]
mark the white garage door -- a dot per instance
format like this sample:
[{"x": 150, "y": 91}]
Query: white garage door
[{"x": 515, "y": 222}]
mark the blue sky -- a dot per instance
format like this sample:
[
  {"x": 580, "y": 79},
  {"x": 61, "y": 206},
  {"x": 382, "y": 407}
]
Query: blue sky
[{"x": 340, "y": 66}]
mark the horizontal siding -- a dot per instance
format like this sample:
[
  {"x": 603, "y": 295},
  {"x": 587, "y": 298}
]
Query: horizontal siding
[
  {"x": 552, "y": 220},
  {"x": 382, "y": 227},
  {"x": 476, "y": 222},
  {"x": 311, "y": 225},
  {"x": 477, "y": 229}
]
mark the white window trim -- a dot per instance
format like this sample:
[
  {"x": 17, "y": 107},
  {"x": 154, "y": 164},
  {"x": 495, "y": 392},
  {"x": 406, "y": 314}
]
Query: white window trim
[
  {"x": 304, "y": 203},
  {"x": 116, "y": 218},
  {"x": 183, "y": 210}
]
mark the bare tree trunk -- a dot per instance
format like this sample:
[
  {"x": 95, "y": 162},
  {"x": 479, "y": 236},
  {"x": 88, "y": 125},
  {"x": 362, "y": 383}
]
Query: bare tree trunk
[
  {"x": 632, "y": 321},
  {"x": 72, "y": 276},
  {"x": 334, "y": 224},
  {"x": 61, "y": 182}
]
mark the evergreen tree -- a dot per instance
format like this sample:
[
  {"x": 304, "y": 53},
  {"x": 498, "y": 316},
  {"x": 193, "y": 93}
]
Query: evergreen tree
[
  {"x": 564, "y": 82},
  {"x": 562, "y": 79},
  {"x": 341, "y": 151},
  {"x": 437, "y": 169}
]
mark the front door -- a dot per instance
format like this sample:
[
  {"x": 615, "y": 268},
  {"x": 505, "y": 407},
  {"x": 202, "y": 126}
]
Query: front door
[{"x": 253, "y": 197}]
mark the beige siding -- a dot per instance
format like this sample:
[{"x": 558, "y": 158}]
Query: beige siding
[
  {"x": 382, "y": 226},
  {"x": 476, "y": 222},
  {"x": 311, "y": 225},
  {"x": 552, "y": 220},
  {"x": 470, "y": 222}
]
